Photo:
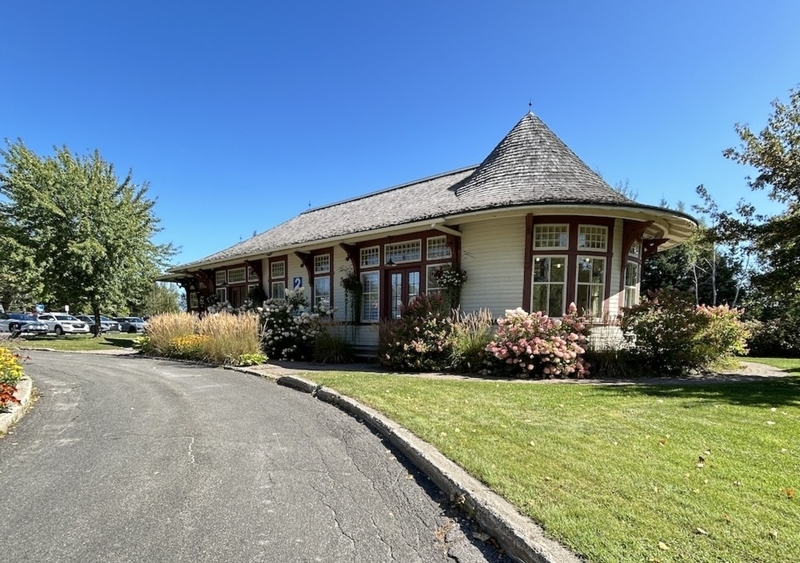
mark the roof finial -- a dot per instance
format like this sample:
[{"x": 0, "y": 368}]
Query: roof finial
[{"x": 530, "y": 105}]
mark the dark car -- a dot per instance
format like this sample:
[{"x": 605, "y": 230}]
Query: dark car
[{"x": 22, "y": 322}]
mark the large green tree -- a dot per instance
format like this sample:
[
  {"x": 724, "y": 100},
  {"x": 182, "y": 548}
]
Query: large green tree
[
  {"x": 162, "y": 298},
  {"x": 20, "y": 278},
  {"x": 774, "y": 153},
  {"x": 89, "y": 233}
]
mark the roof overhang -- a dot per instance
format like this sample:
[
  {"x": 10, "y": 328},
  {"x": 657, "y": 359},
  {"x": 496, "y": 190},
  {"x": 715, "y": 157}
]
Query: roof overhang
[{"x": 674, "y": 226}]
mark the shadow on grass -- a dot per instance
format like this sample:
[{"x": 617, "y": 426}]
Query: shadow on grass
[
  {"x": 119, "y": 341},
  {"x": 769, "y": 392}
]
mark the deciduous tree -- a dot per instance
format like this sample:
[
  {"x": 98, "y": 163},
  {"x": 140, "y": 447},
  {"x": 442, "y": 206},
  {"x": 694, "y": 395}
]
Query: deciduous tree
[
  {"x": 774, "y": 153},
  {"x": 89, "y": 232}
]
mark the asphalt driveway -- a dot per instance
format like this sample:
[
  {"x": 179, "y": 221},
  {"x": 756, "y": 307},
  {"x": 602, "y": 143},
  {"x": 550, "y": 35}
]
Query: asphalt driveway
[{"x": 131, "y": 459}]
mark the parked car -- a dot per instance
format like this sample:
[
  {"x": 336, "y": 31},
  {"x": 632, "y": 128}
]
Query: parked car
[
  {"x": 106, "y": 324},
  {"x": 62, "y": 323},
  {"x": 131, "y": 324},
  {"x": 113, "y": 326},
  {"x": 22, "y": 322}
]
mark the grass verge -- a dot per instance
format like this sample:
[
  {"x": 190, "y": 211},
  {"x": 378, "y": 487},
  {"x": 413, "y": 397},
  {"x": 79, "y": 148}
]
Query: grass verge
[
  {"x": 75, "y": 342},
  {"x": 661, "y": 473}
]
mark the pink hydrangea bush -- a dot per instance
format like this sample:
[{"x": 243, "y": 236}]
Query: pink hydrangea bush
[{"x": 535, "y": 345}]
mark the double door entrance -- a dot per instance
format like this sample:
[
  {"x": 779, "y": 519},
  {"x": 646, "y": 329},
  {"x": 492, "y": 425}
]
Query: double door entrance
[{"x": 402, "y": 286}]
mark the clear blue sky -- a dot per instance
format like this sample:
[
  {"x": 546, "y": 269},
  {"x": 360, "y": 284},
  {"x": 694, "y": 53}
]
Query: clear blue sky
[{"x": 241, "y": 114}]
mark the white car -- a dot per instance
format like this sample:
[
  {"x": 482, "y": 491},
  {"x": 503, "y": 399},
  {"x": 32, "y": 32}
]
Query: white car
[{"x": 62, "y": 323}]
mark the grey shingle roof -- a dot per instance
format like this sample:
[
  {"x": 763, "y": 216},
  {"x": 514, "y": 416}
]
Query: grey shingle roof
[
  {"x": 532, "y": 165},
  {"x": 529, "y": 166}
]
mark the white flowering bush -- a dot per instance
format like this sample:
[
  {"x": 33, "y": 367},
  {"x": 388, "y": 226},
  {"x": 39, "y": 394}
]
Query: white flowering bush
[
  {"x": 534, "y": 345},
  {"x": 289, "y": 328}
]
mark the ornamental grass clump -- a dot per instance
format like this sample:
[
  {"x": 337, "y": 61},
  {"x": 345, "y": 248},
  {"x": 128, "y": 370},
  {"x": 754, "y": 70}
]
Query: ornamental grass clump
[
  {"x": 472, "y": 333},
  {"x": 164, "y": 330},
  {"x": 218, "y": 338},
  {"x": 535, "y": 345},
  {"x": 227, "y": 337}
]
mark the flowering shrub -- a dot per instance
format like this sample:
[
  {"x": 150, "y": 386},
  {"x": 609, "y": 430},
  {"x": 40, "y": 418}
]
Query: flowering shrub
[
  {"x": 7, "y": 396},
  {"x": 288, "y": 330},
  {"x": 671, "y": 334},
  {"x": 450, "y": 281},
  {"x": 10, "y": 367},
  {"x": 533, "y": 344},
  {"x": 420, "y": 339},
  {"x": 448, "y": 277},
  {"x": 10, "y": 374}
]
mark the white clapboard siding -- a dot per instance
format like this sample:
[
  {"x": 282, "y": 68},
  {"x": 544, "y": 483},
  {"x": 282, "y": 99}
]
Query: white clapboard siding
[
  {"x": 615, "y": 295},
  {"x": 493, "y": 255}
]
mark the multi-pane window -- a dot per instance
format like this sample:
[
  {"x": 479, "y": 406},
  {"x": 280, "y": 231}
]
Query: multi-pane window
[
  {"x": 278, "y": 290},
  {"x": 222, "y": 295},
  {"x": 236, "y": 275},
  {"x": 251, "y": 274},
  {"x": 193, "y": 301},
  {"x": 636, "y": 250},
  {"x": 221, "y": 277},
  {"x": 322, "y": 292},
  {"x": 278, "y": 270},
  {"x": 631, "y": 284},
  {"x": 370, "y": 296},
  {"x": 438, "y": 248},
  {"x": 431, "y": 283},
  {"x": 591, "y": 285},
  {"x": 371, "y": 257},
  {"x": 277, "y": 279},
  {"x": 322, "y": 264},
  {"x": 591, "y": 237},
  {"x": 401, "y": 252},
  {"x": 550, "y": 236},
  {"x": 549, "y": 285}
]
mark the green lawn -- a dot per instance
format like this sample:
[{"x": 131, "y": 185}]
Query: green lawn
[
  {"x": 791, "y": 365},
  {"x": 76, "y": 342},
  {"x": 620, "y": 473}
]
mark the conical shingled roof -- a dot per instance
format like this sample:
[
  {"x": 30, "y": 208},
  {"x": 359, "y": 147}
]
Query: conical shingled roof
[{"x": 532, "y": 165}]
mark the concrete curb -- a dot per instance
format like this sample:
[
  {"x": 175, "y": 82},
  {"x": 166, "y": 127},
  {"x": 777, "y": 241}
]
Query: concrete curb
[
  {"x": 519, "y": 536},
  {"x": 24, "y": 393}
]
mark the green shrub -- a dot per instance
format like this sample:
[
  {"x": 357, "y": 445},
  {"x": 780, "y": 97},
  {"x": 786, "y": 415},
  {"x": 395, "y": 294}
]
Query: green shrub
[
  {"x": 250, "y": 359},
  {"x": 670, "y": 334},
  {"x": 777, "y": 338},
  {"x": 332, "y": 349}
]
